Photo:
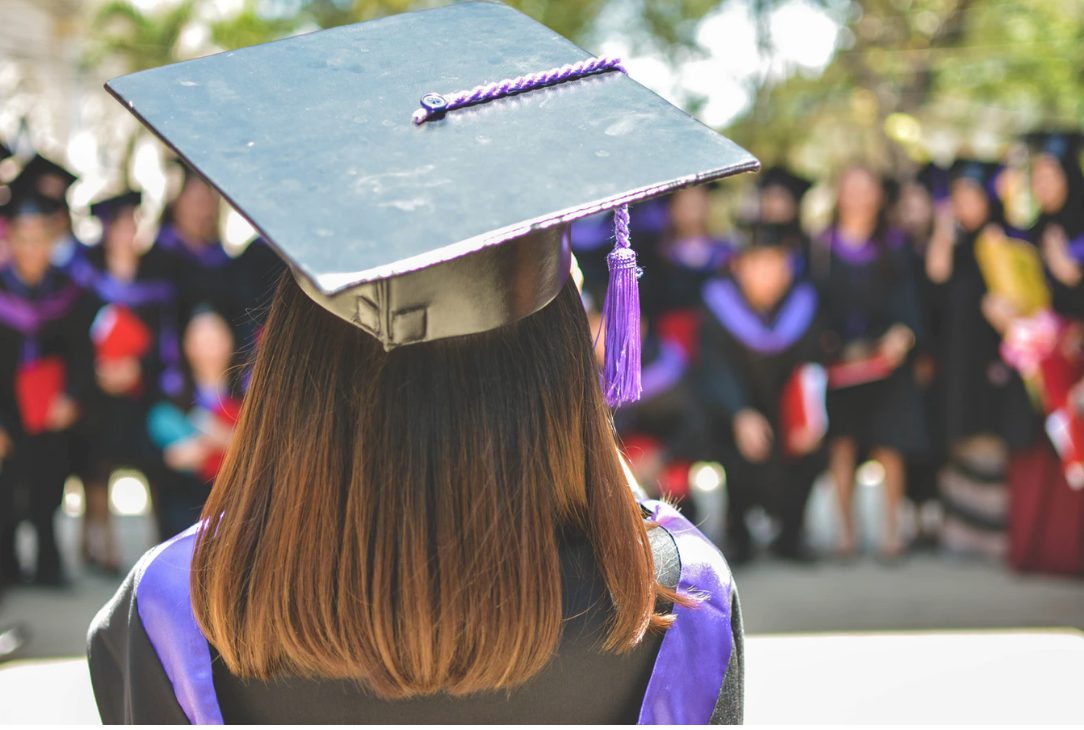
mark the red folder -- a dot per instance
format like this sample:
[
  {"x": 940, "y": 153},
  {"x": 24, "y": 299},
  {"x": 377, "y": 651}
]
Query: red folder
[
  {"x": 847, "y": 373},
  {"x": 37, "y": 385},
  {"x": 803, "y": 405},
  {"x": 117, "y": 333}
]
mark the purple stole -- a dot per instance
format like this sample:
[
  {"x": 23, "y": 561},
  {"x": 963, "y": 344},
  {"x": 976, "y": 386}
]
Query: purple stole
[
  {"x": 683, "y": 688},
  {"x": 726, "y": 303},
  {"x": 212, "y": 256},
  {"x": 664, "y": 372},
  {"x": 27, "y": 316}
]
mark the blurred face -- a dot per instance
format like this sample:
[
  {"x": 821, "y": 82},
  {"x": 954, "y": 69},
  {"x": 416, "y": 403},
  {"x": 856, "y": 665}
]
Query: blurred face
[
  {"x": 120, "y": 236},
  {"x": 777, "y": 205},
  {"x": 915, "y": 208},
  {"x": 195, "y": 211},
  {"x": 764, "y": 274},
  {"x": 689, "y": 210},
  {"x": 208, "y": 346},
  {"x": 31, "y": 239},
  {"x": 860, "y": 196},
  {"x": 1048, "y": 184},
  {"x": 970, "y": 206}
]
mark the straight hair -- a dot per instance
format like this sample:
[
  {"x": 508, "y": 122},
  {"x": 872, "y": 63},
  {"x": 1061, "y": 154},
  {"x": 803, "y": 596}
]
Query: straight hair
[{"x": 394, "y": 517}]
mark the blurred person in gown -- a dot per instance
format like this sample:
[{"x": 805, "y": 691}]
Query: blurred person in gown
[
  {"x": 194, "y": 427},
  {"x": 863, "y": 269},
  {"x": 137, "y": 359},
  {"x": 761, "y": 338},
  {"x": 983, "y": 405},
  {"x": 923, "y": 199},
  {"x": 689, "y": 255},
  {"x": 45, "y": 379}
]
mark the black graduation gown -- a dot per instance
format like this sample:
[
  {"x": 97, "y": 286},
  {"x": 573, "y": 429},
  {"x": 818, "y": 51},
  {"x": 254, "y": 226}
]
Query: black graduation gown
[
  {"x": 1067, "y": 300},
  {"x": 746, "y": 359},
  {"x": 864, "y": 292},
  {"x": 202, "y": 278},
  {"x": 255, "y": 274},
  {"x": 32, "y": 479},
  {"x": 580, "y": 685},
  {"x": 977, "y": 392},
  {"x": 117, "y": 423}
]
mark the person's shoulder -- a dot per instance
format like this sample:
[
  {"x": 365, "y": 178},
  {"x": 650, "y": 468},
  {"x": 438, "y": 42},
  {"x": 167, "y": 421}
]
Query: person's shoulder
[
  {"x": 159, "y": 577},
  {"x": 695, "y": 555}
]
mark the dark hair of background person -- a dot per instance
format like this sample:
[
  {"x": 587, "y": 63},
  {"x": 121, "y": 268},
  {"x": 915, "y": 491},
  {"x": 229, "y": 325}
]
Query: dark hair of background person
[{"x": 395, "y": 517}]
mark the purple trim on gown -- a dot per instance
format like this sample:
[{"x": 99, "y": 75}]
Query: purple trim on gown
[
  {"x": 164, "y": 603},
  {"x": 684, "y": 685},
  {"x": 664, "y": 372},
  {"x": 692, "y": 662},
  {"x": 726, "y": 303},
  {"x": 864, "y": 253}
]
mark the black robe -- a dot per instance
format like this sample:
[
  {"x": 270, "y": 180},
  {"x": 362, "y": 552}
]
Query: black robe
[
  {"x": 580, "y": 685},
  {"x": 864, "y": 292},
  {"x": 32, "y": 477},
  {"x": 117, "y": 423},
  {"x": 746, "y": 359}
]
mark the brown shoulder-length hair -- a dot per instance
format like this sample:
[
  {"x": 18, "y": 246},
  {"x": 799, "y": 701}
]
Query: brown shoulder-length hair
[{"x": 393, "y": 517}]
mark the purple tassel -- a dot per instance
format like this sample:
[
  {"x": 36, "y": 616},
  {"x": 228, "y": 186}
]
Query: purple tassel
[{"x": 621, "y": 315}]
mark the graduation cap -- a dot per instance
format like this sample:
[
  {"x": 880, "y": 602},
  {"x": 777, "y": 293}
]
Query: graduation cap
[
  {"x": 26, "y": 200},
  {"x": 48, "y": 178},
  {"x": 5, "y": 152},
  {"x": 413, "y": 210},
  {"x": 935, "y": 179},
  {"x": 106, "y": 210},
  {"x": 983, "y": 174},
  {"x": 1062, "y": 144},
  {"x": 778, "y": 175}
]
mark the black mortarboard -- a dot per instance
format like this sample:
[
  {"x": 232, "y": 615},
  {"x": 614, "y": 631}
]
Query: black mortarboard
[
  {"x": 778, "y": 175},
  {"x": 106, "y": 210},
  {"x": 754, "y": 233},
  {"x": 26, "y": 200},
  {"x": 5, "y": 152},
  {"x": 977, "y": 171},
  {"x": 48, "y": 178},
  {"x": 935, "y": 179},
  {"x": 348, "y": 151},
  {"x": 1063, "y": 144}
]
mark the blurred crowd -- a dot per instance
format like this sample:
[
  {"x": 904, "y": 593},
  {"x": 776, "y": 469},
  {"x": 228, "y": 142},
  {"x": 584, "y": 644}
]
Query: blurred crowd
[
  {"x": 920, "y": 327},
  {"x": 116, "y": 355}
]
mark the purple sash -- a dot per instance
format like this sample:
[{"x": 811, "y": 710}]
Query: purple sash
[
  {"x": 684, "y": 685},
  {"x": 211, "y": 256},
  {"x": 664, "y": 372},
  {"x": 866, "y": 252},
  {"x": 725, "y": 301},
  {"x": 27, "y": 316},
  {"x": 164, "y": 603}
]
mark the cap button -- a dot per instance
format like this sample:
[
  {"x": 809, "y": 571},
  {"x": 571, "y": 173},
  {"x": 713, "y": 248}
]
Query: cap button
[{"x": 435, "y": 104}]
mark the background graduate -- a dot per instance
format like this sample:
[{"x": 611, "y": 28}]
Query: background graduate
[
  {"x": 760, "y": 330},
  {"x": 862, "y": 268},
  {"x": 137, "y": 358},
  {"x": 45, "y": 361}
]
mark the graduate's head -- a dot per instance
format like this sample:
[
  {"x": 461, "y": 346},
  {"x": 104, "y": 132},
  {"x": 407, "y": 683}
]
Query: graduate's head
[
  {"x": 120, "y": 223},
  {"x": 780, "y": 194},
  {"x": 973, "y": 195},
  {"x": 31, "y": 234},
  {"x": 1049, "y": 183},
  {"x": 690, "y": 209},
  {"x": 208, "y": 344},
  {"x": 861, "y": 195},
  {"x": 195, "y": 210},
  {"x": 764, "y": 268},
  {"x": 425, "y": 424},
  {"x": 430, "y": 486},
  {"x": 1056, "y": 176}
]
